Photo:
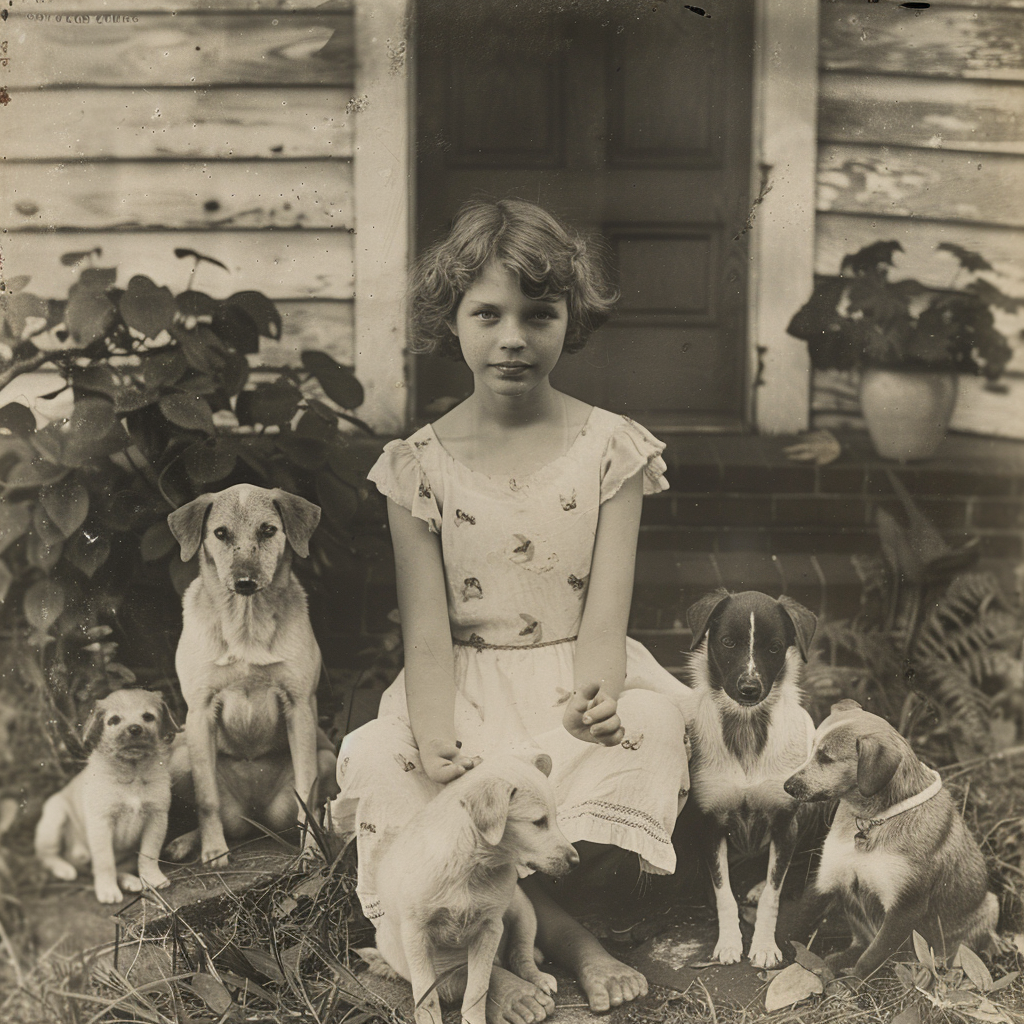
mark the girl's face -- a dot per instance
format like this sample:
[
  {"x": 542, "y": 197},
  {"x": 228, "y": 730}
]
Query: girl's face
[{"x": 510, "y": 341}]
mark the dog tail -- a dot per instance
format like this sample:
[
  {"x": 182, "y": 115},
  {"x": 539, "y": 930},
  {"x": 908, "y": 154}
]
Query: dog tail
[{"x": 49, "y": 839}]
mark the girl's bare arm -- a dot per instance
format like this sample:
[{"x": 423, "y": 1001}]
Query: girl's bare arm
[
  {"x": 600, "y": 671},
  {"x": 426, "y": 634}
]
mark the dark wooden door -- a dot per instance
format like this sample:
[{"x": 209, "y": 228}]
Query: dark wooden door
[{"x": 629, "y": 119}]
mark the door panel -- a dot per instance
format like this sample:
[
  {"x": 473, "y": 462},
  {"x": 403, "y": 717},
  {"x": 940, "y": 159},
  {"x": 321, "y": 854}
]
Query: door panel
[{"x": 630, "y": 120}]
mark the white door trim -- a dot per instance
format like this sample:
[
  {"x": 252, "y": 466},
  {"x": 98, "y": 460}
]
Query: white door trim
[{"x": 784, "y": 155}]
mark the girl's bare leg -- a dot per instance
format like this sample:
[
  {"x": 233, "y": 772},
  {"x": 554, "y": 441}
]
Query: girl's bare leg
[{"x": 607, "y": 982}]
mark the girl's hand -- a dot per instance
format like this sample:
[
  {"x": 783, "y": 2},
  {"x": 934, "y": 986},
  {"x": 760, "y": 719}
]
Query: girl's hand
[
  {"x": 444, "y": 762},
  {"x": 592, "y": 716}
]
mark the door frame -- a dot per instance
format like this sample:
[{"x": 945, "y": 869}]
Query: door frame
[{"x": 782, "y": 198}]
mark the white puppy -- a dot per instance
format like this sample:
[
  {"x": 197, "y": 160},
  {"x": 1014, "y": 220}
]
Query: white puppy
[
  {"x": 448, "y": 884},
  {"x": 118, "y": 803}
]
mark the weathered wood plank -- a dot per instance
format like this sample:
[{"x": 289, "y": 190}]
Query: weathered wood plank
[
  {"x": 903, "y": 182},
  {"x": 294, "y": 48},
  {"x": 200, "y": 124},
  {"x": 177, "y": 195},
  {"x": 839, "y": 234},
  {"x": 947, "y": 42},
  {"x": 977, "y": 116},
  {"x": 282, "y": 264},
  {"x": 326, "y": 326},
  {"x": 213, "y": 6}
]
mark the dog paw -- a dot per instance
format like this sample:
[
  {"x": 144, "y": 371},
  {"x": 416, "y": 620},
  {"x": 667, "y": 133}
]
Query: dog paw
[
  {"x": 765, "y": 955},
  {"x": 129, "y": 883},
  {"x": 108, "y": 892},
  {"x": 183, "y": 847},
  {"x": 729, "y": 949},
  {"x": 216, "y": 857},
  {"x": 546, "y": 983},
  {"x": 63, "y": 870},
  {"x": 156, "y": 880}
]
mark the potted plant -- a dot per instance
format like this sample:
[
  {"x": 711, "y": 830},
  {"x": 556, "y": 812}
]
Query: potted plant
[{"x": 908, "y": 340}]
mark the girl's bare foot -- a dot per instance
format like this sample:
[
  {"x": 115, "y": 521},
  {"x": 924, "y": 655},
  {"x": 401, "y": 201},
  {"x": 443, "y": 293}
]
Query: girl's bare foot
[
  {"x": 511, "y": 1000},
  {"x": 605, "y": 981}
]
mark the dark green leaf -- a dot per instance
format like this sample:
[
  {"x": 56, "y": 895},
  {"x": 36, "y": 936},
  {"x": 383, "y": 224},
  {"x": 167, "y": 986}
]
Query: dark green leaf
[
  {"x": 235, "y": 373},
  {"x": 157, "y": 541},
  {"x": 312, "y": 424},
  {"x": 200, "y": 346},
  {"x": 18, "y": 308},
  {"x": 66, "y": 503},
  {"x": 197, "y": 384},
  {"x": 191, "y": 412},
  {"x": 263, "y": 312},
  {"x": 72, "y": 259},
  {"x": 236, "y": 328},
  {"x": 46, "y": 529},
  {"x": 146, "y": 307},
  {"x": 164, "y": 367},
  {"x": 6, "y": 579},
  {"x": 125, "y": 391},
  {"x": 98, "y": 279},
  {"x": 34, "y": 473},
  {"x": 967, "y": 258},
  {"x": 44, "y": 601},
  {"x": 339, "y": 382},
  {"x": 41, "y": 555},
  {"x": 195, "y": 304},
  {"x": 17, "y": 283},
  {"x": 207, "y": 462},
  {"x": 338, "y": 500},
  {"x": 208, "y": 988},
  {"x": 87, "y": 553},
  {"x": 14, "y": 521},
  {"x": 992, "y": 296},
  {"x": 306, "y": 452},
  {"x": 17, "y": 418},
  {"x": 198, "y": 257},
  {"x": 343, "y": 465},
  {"x": 269, "y": 404},
  {"x": 872, "y": 259},
  {"x": 89, "y": 314}
]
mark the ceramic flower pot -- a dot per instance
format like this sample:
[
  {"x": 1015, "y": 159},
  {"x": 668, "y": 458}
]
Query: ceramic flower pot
[{"x": 907, "y": 411}]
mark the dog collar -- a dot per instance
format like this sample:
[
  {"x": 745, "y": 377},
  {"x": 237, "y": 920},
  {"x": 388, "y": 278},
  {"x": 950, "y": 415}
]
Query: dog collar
[{"x": 865, "y": 825}]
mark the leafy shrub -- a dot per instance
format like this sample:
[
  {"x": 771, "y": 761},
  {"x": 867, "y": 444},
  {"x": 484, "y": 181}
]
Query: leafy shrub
[{"x": 165, "y": 407}]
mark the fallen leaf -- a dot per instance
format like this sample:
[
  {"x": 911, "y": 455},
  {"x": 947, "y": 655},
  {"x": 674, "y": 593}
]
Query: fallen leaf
[
  {"x": 791, "y": 986},
  {"x": 909, "y": 1015}
]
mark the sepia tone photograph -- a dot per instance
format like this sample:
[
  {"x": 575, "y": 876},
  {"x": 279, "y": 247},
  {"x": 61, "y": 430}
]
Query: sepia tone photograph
[{"x": 511, "y": 510}]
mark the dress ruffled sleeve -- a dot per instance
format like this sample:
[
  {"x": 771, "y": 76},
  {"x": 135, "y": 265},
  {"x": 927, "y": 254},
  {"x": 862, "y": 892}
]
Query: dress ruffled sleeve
[
  {"x": 631, "y": 449},
  {"x": 400, "y": 476}
]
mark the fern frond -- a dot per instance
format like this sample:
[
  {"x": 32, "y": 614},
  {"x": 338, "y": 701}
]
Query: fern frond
[{"x": 965, "y": 707}]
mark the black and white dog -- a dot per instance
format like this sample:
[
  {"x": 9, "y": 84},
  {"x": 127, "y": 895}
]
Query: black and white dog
[{"x": 749, "y": 734}]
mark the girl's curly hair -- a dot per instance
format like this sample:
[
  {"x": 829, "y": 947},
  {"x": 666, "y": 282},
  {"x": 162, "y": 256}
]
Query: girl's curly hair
[{"x": 548, "y": 258}]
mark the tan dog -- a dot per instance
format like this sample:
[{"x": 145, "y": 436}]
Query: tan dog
[
  {"x": 898, "y": 854},
  {"x": 447, "y": 880},
  {"x": 117, "y": 805},
  {"x": 248, "y": 665}
]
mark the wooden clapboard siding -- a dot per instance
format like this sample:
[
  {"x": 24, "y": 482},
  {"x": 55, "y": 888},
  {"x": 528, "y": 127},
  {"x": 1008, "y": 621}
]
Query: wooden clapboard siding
[
  {"x": 201, "y": 124},
  {"x": 282, "y": 264},
  {"x": 978, "y": 116},
  {"x": 902, "y": 181},
  {"x": 944, "y": 42},
  {"x": 177, "y": 195},
  {"x": 322, "y": 325},
  {"x": 195, "y": 50}
]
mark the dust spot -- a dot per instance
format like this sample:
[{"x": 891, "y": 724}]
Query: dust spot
[
  {"x": 211, "y": 206},
  {"x": 26, "y": 209},
  {"x": 357, "y": 104},
  {"x": 4, "y": 95},
  {"x": 697, "y": 10},
  {"x": 675, "y": 954},
  {"x": 396, "y": 57}
]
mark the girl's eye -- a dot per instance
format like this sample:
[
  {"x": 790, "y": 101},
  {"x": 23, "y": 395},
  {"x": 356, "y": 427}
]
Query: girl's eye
[
  {"x": 148, "y": 716},
  {"x": 114, "y": 720},
  {"x": 728, "y": 642},
  {"x": 486, "y": 314},
  {"x": 268, "y": 530},
  {"x": 221, "y": 533}
]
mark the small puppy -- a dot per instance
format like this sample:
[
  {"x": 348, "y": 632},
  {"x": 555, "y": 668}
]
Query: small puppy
[
  {"x": 248, "y": 665},
  {"x": 447, "y": 883},
  {"x": 118, "y": 803},
  {"x": 749, "y": 732},
  {"x": 898, "y": 854}
]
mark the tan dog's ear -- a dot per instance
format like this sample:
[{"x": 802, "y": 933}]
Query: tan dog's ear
[
  {"x": 93, "y": 728},
  {"x": 168, "y": 727},
  {"x": 805, "y": 622},
  {"x": 300, "y": 518},
  {"x": 487, "y": 807},
  {"x": 844, "y": 707},
  {"x": 188, "y": 524},
  {"x": 542, "y": 762},
  {"x": 877, "y": 762},
  {"x": 698, "y": 615}
]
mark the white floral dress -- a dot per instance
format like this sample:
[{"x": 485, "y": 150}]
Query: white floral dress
[{"x": 517, "y": 555}]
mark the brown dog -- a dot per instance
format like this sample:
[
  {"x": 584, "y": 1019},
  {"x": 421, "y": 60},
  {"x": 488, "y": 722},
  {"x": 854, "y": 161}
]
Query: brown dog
[
  {"x": 248, "y": 665},
  {"x": 117, "y": 805},
  {"x": 898, "y": 854}
]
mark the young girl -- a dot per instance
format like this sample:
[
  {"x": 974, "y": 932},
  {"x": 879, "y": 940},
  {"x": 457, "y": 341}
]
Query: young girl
[{"x": 515, "y": 519}]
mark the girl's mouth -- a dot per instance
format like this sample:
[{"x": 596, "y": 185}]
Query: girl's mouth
[{"x": 511, "y": 368}]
